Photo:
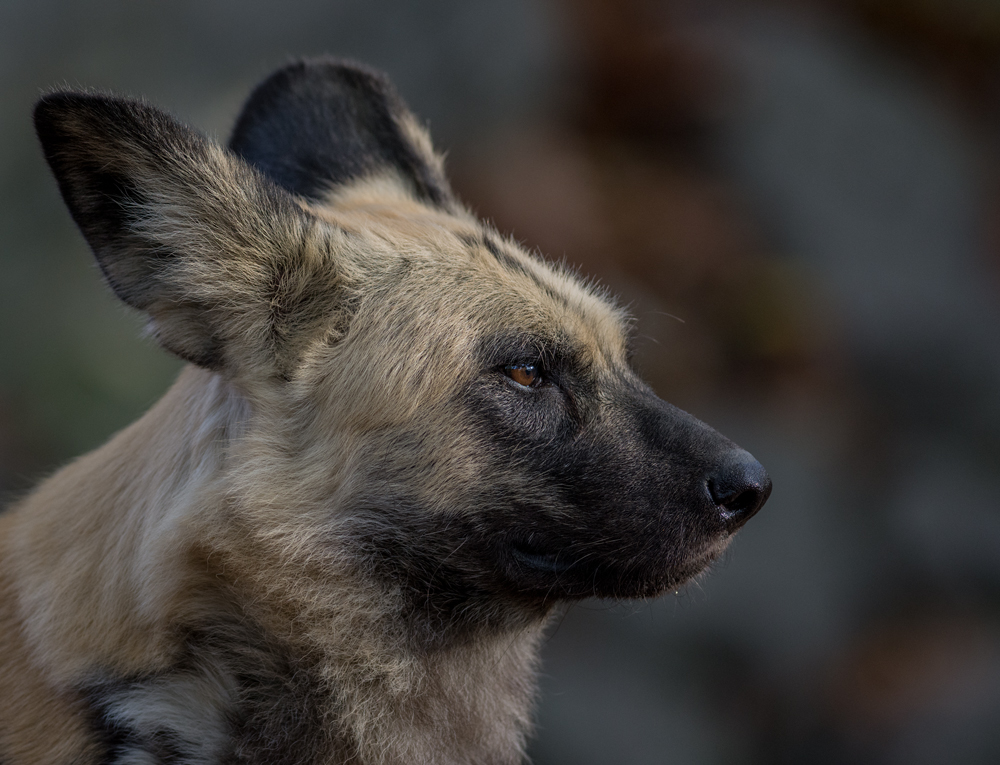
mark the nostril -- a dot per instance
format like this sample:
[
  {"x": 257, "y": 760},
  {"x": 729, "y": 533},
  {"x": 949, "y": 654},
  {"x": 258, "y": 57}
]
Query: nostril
[
  {"x": 744, "y": 502},
  {"x": 739, "y": 488}
]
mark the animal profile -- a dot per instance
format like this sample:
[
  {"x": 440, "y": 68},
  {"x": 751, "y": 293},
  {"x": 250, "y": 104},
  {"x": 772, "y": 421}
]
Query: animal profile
[{"x": 400, "y": 442}]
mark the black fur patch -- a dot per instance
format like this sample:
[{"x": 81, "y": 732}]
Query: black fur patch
[
  {"x": 273, "y": 717},
  {"x": 611, "y": 513},
  {"x": 117, "y": 741},
  {"x": 279, "y": 722},
  {"x": 450, "y": 583},
  {"x": 319, "y": 123},
  {"x": 583, "y": 500}
]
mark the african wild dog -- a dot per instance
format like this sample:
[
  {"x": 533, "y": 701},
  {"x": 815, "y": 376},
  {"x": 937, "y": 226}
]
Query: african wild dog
[{"x": 400, "y": 441}]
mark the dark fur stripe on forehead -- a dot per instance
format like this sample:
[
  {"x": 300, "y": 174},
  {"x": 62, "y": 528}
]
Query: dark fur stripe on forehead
[
  {"x": 512, "y": 263},
  {"x": 319, "y": 123}
]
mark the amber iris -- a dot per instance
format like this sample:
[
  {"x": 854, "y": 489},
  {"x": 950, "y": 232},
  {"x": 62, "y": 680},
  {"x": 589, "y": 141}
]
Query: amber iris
[{"x": 527, "y": 375}]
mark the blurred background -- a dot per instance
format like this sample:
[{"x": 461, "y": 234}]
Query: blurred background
[{"x": 800, "y": 201}]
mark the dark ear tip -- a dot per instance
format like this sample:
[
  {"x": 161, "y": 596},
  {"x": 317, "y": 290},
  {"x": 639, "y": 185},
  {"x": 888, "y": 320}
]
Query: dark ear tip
[
  {"x": 49, "y": 108},
  {"x": 321, "y": 122},
  {"x": 323, "y": 67},
  {"x": 55, "y": 111},
  {"x": 310, "y": 76},
  {"x": 63, "y": 101},
  {"x": 51, "y": 115}
]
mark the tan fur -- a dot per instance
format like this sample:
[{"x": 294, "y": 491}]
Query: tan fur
[{"x": 30, "y": 709}]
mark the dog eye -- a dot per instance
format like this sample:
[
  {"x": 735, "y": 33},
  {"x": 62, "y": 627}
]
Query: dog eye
[{"x": 528, "y": 375}]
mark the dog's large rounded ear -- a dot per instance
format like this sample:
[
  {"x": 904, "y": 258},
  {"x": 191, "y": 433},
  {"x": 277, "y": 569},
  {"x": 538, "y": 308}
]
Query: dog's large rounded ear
[
  {"x": 223, "y": 261},
  {"x": 321, "y": 123}
]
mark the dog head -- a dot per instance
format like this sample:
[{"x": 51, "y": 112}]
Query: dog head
[{"x": 429, "y": 407}]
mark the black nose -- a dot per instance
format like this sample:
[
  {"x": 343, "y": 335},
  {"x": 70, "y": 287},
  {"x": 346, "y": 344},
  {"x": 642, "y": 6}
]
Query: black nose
[{"x": 739, "y": 487}]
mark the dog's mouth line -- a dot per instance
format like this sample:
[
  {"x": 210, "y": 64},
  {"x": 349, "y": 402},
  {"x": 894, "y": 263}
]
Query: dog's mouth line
[{"x": 551, "y": 562}]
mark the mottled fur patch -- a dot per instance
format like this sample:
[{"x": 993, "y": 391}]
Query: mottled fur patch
[{"x": 230, "y": 698}]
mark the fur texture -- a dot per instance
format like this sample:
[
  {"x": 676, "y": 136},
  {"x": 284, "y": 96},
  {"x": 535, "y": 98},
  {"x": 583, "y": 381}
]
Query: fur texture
[{"x": 400, "y": 442}]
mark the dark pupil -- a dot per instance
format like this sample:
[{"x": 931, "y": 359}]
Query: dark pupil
[{"x": 523, "y": 374}]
